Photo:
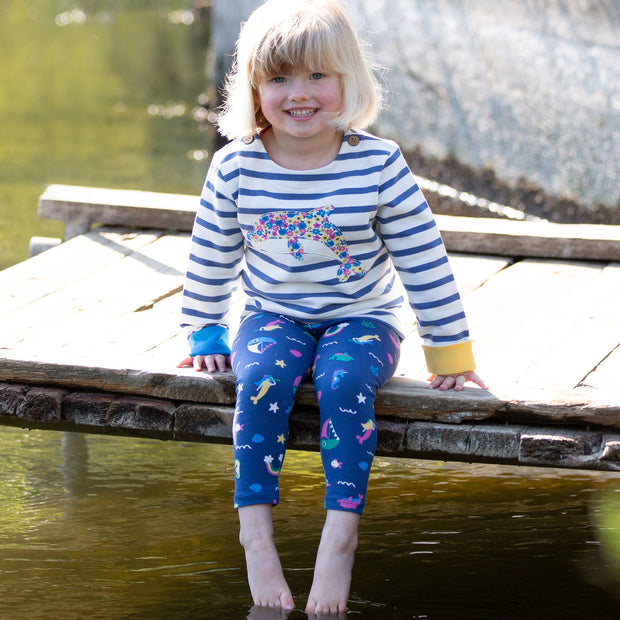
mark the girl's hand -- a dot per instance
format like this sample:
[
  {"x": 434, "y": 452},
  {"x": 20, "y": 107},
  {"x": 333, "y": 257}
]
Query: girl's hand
[
  {"x": 456, "y": 381},
  {"x": 211, "y": 363}
]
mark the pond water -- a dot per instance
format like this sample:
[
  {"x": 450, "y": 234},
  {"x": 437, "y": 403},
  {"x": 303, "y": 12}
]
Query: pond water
[
  {"x": 111, "y": 527},
  {"x": 100, "y": 93},
  {"x": 103, "y": 93}
]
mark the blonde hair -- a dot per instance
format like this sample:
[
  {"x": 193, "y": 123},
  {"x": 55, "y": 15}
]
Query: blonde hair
[{"x": 281, "y": 35}]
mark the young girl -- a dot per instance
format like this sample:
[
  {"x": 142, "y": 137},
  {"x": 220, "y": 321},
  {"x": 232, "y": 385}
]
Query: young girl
[{"x": 316, "y": 217}]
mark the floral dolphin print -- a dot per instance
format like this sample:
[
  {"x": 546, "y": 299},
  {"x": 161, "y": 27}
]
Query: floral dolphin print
[{"x": 315, "y": 224}]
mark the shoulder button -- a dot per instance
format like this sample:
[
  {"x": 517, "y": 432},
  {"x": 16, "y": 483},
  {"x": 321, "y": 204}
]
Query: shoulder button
[
  {"x": 353, "y": 140},
  {"x": 248, "y": 139}
]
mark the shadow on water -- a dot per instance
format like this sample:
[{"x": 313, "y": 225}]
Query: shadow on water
[{"x": 111, "y": 527}]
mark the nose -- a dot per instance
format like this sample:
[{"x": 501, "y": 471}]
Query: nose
[{"x": 298, "y": 90}]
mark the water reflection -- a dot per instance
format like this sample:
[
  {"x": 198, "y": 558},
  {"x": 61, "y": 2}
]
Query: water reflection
[
  {"x": 111, "y": 527},
  {"x": 76, "y": 16},
  {"x": 74, "y": 463},
  {"x": 99, "y": 94},
  {"x": 604, "y": 569}
]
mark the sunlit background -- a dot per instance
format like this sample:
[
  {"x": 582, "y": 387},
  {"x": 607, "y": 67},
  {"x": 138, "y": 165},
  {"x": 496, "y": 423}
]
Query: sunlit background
[{"x": 115, "y": 93}]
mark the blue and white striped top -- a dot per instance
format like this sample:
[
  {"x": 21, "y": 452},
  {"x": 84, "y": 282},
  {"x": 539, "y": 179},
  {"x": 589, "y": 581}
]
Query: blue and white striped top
[{"x": 323, "y": 244}]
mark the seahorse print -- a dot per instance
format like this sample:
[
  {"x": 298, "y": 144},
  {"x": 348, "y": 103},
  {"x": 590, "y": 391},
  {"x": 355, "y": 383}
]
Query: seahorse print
[{"x": 315, "y": 224}]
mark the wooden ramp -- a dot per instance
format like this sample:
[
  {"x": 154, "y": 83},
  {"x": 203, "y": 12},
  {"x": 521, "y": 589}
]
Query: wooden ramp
[{"x": 89, "y": 340}]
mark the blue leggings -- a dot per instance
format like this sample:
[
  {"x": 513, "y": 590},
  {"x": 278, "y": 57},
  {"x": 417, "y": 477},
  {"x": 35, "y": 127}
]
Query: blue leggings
[{"x": 349, "y": 360}]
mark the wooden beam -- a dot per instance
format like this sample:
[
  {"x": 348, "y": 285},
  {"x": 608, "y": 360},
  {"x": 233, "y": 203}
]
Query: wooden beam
[
  {"x": 81, "y": 206},
  {"x": 530, "y": 239},
  {"x": 119, "y": 414},
  {"x": 400, "y": 398}
]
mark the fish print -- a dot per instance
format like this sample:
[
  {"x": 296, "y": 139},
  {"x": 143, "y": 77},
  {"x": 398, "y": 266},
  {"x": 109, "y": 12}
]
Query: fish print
[
  {"x": 350, "y": 503},
  {"x": 366, "y": 339}
]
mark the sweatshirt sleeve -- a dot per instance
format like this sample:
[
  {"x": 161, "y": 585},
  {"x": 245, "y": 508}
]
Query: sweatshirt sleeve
[
  {"x": 216, "y": 253},
  {"x": 410, "y": 233}
]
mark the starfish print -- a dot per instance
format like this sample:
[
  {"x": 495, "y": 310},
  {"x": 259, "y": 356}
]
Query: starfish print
[
  {"x": 361, "y": 398},
  {"x": 274, "y": 407},
  {"x": 281, "y": 439},
  {"x": 280, "y": 363}
]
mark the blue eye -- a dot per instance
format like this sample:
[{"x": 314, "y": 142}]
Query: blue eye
[
  {"x": 317, "y": 76},
  {"x": 278, "y": 79}
]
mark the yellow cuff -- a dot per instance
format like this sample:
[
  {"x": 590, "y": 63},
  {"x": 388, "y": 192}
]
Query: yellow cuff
[{"x": 450, "y": 360}]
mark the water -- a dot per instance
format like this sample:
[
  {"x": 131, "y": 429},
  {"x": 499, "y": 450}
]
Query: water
[
  {"x": 102, "y": 93},
  {"x": 112, "y": 527}
]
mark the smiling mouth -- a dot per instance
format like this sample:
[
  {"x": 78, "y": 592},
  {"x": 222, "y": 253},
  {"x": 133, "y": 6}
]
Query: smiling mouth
[{"x": 305, "y": 113}]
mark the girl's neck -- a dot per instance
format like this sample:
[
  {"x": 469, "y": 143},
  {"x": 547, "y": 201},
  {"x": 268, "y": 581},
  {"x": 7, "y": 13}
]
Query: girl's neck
[{"x": 302, "y": 153}]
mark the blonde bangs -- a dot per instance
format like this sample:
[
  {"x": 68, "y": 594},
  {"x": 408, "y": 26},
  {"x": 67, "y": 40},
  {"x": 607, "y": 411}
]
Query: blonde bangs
[
  {"x": 311, "y": 45},
  {"x": 285, "y": 35}
]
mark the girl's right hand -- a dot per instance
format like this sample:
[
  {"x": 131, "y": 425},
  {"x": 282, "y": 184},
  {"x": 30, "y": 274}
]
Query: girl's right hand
[{"x": 212, "y": 363}]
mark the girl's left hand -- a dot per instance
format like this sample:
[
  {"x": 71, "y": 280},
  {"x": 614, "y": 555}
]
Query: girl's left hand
[{"x": 456, "y": 381}]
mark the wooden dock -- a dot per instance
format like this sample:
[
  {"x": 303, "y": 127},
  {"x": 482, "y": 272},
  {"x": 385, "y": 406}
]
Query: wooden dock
[{"x": 89, "y": 339}]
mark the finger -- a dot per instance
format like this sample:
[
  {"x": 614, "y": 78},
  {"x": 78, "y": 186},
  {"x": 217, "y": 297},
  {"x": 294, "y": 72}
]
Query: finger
[
  {"x": 198, "y": 362},
  {"x": 220, "y": 362},
  {"x": 209, "y": 362},
  {"x": 434, "y": 381},
  {"x": 188, "y": 361},
  {"x": 447, "y": 383},
  {"x": 459, "y": 383},
  {"x": 478, "y": 381}
]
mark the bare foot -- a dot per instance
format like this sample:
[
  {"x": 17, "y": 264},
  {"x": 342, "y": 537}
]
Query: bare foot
[
  {"x": 265, "y": 576},
  {"x": 334, "y": 564}
]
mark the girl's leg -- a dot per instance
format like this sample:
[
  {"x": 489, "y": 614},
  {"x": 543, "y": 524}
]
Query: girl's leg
[
  {"x": 265, "y": 577},
  {"x": 270, "y": 357},
  {"x": 353, "y": 360},
  {"x": 334, "y": 564}
]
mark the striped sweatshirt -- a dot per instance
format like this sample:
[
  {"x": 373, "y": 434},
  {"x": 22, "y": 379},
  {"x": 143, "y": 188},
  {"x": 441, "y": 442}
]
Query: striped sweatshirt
[{"x": 322, "y": 244}]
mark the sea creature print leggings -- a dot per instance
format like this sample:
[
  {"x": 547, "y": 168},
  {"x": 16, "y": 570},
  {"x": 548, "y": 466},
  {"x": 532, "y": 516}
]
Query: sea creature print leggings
[{"x": 349, "y": 360}]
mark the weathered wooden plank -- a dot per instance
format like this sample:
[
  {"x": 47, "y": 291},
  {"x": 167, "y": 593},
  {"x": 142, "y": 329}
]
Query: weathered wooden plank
[
  {"x": 524, "y": 312},
  {"x": 399, "y": 398},
  {"x": 65, "y": 265},
  {"x": 182, "y": 386},
  {"x": 88, "y": 310},
  {"x": 606, "y": 374},
  {"x": 470, "y": 272},
  {"x": 585, "y": 320},
  {"x": 461, "y": 234},
  {"x": 514, "y": 445},
  {"x": 571, "y": 360},
  {"x": 534, "y": 239},
  {"x": 117, "y": 207},
  {"x": 110, "y": 413}
]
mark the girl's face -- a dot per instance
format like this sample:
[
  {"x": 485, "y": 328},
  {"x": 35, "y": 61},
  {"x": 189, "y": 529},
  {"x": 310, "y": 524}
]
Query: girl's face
[{"x": 299, "y": 104}]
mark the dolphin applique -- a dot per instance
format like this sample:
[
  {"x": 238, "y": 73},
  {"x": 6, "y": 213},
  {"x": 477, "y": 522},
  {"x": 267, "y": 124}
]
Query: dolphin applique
[{"x": 315, "y": 225}]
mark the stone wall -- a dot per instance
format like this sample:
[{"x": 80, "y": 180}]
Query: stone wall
[{"x": 530, "y": 90}]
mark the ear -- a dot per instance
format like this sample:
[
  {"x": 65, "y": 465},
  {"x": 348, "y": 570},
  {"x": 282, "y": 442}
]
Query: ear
[{"x": 259, "y": 118}]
